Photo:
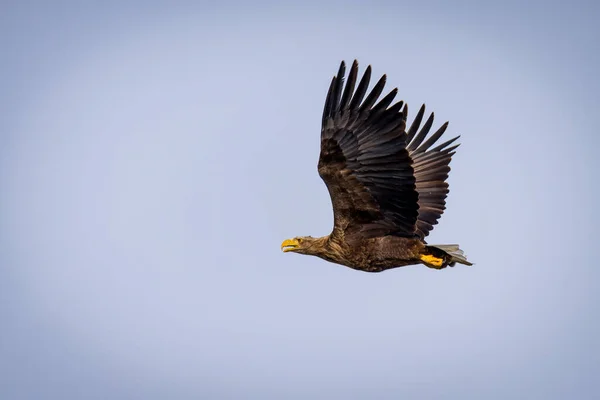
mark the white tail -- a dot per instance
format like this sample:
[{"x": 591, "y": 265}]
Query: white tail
[{"x": 455, "y": 253}]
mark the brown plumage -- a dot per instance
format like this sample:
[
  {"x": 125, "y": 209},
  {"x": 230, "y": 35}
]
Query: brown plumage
[{"x": 387, "y": 185}]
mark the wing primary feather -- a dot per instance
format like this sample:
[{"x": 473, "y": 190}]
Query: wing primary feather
[
  {"x": 451, "y": 151},
  {"x": 414, "y": 144},
  {"x": 361, "y": 90},
  {"x": 392, "y": 112},
  {"x": 447, "y": 143},
  {"x": 328, "y": 100},
  {"x": 414, "y": 127},
  {"x": 433, "y": 138},
  {"x": 405, "y": 115},
  {"x": 374, "y": 95},
  {"x": 384, "y": 103},
  {"x": 350, "y": 84},
  {"x": 337, "y": 91}
]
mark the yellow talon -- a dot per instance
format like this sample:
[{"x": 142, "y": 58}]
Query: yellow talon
[{"x": 432, "y": 260}]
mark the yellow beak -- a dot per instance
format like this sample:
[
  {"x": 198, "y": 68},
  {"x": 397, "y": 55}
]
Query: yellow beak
[{"x": 289, "y": 245}]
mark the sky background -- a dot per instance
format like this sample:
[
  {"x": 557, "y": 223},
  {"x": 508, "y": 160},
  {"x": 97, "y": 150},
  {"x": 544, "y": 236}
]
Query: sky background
[{"x": 153, "y": 157}]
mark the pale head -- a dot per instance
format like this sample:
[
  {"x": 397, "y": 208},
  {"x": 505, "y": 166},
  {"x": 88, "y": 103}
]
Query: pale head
[{"x": 303, "y": 245}]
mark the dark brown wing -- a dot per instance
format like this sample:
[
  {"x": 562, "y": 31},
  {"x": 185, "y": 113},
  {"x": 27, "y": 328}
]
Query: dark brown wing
[
  {"x": 364, "y": 161},
  {"x": 431, "y": 168}
]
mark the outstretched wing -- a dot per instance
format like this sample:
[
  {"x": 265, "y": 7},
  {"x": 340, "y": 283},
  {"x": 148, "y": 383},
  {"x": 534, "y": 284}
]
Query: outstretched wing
[
  {"x": 431, "y": 168},
  {"x": 364, "y": 160}
]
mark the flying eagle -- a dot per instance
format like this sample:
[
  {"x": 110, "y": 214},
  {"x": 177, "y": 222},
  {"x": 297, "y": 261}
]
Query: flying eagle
[{"x": 387, "y": 185}]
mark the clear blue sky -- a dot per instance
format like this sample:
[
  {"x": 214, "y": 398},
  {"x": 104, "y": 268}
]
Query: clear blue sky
[{"x": 153, "y": 157}]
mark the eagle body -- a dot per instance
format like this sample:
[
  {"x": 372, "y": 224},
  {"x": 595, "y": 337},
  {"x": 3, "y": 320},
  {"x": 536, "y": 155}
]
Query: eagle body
[
  {"x": 373, "y": 254},
  {"x": 387, "y": 184}
]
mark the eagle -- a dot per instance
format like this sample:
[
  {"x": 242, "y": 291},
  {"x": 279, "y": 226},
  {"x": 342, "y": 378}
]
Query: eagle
[{"x": 387, "y": 184}]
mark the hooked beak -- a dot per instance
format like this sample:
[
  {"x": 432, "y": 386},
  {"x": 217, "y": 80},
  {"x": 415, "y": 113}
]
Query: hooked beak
[{"x": 289, "y": 245}]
